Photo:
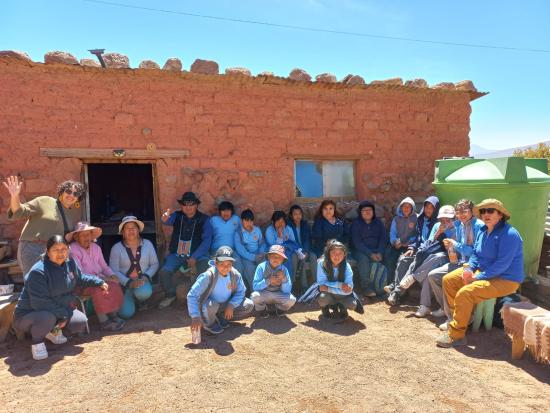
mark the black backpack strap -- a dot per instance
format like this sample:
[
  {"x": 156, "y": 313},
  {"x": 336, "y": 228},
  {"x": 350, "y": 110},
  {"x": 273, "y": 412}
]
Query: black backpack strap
[{"x": 204, "y": 296}]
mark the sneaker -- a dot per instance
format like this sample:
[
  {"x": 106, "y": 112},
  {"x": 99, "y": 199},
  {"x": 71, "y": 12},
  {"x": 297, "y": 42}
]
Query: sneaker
[
  {"x": 39, "y": 351},
  {"x": 407, "y": 281},
  {"x": 370, "y": 294},
  {"x": 111, "y": 325},
  {"x": 446, "y": 341},
  {"x": 279, "y": 313},
  {"x": 422, "y": 311},
  {"x": 393, "y": 298},
  {"x": 341, "y": 312},
  {"x": 222, "y": 321},
  {"x": 214, "y": 328},
  {"x": 166, "y": 302},
  {"x": 389, "y": 288},
  {"x": 57, "y": 338},
  {"x": 264, "y": 313},
  {"x": 438, "y": 313},
  {"x": 326, "y": 312},
  {"x": 444, "y": 326}
]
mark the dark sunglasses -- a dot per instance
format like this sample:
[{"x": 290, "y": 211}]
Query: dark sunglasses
[
  {"x": 486, "y": 211},
  {"x": 71, "y": 192}
]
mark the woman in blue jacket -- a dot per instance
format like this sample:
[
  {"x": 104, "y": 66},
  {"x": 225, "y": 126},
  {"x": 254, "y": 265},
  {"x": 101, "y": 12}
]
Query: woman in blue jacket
[
  {"x": 47, "y": 302},
  {"x": 327, "y": 225},
  {"x": 495, "y": 270}
]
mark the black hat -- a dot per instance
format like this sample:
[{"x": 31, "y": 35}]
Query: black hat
[
  {"x": 224, "y": 253},
  {"x": 189, "y": 197}
]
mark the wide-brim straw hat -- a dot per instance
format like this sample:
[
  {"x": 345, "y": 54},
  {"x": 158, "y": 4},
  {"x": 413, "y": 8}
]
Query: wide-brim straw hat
[
  {"x": 131, "y": 218},
  {"x": 492, "y": 203},
  {"x": 81, "y": 227}
]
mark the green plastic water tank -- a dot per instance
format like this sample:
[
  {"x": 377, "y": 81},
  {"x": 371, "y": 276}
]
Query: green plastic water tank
[{"x": 523, "y": 185}]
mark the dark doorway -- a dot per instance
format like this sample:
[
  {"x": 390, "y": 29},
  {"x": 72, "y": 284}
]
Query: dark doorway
[{"x": 117, "y": 190}]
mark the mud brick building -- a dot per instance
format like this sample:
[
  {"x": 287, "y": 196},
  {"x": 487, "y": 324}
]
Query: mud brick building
[{"x": 141, "y": 137}]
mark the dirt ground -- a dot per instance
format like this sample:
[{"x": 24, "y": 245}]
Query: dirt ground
[{"x": 379, "y": 361}]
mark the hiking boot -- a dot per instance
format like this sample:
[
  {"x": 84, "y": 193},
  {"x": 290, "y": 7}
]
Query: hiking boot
[
  {"x": 389, "y": 288},
  {"x": 422, "y": 311},
  {"x": 370, "y": 294},
  {"x": 39, "y": 351},
  {"x": 438, "y": 313},
  {"x": 222, "y": 321},
  {"x": 111, "y": 325},
  {"x": 393, "y": 298},
  {"x": 444, "y": 326},
  {"x": 446, "y": 341},
  {"x": 326, "y": 312},
  {"x": 214, "y": 328},
  {"x": 166, "y": 302},
  {"x": 56, "y": 338}
]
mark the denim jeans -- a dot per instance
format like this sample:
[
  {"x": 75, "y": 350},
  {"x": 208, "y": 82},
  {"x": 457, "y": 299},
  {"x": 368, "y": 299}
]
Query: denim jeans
[{"x": 171, "y": 264}]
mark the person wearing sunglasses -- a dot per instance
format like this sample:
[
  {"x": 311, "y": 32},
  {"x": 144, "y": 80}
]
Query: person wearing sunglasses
[
  {"x": 496, "y": 267},
  {"x": 189, "y": 246},
  {"x": 46, "y": 216}
]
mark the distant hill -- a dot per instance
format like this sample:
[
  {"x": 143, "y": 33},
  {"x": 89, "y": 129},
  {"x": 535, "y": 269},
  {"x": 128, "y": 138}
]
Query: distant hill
[{"x": 479, "y": 152}]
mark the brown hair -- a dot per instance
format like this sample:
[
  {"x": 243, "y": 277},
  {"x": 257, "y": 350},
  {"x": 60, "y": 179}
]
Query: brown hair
[
  {"x": 326, "y": 202},
  {"x": 327, "y": 263}
]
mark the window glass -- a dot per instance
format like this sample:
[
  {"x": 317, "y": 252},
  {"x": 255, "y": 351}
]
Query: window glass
[{"x": 315, "y": 179}]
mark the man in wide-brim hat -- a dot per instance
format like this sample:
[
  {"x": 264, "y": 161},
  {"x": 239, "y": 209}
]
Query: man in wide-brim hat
[
  {"x": 189, "y": 244},
  {"x": 90, "y": 259},
  {"x": 495, "y": 269}
]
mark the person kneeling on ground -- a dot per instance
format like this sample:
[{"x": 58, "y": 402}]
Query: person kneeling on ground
[
  {"x": 218, "y": 295},
  {"x": 495, "y": 269},
  {"x": 335, "y": 279},
  {"x": 46, "y": 304},
  {"x": 89, "y": 258},
  {"x": 272, "y": 284}
]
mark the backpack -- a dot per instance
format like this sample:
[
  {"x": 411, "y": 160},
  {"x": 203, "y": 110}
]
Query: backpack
[{"x": 377, "y": 278}]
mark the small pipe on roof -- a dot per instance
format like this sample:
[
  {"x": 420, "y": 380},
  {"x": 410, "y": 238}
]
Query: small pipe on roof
[{"x": 98, "y": 53}]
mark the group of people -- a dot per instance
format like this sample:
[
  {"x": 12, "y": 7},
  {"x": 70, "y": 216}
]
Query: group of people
[{"x": 232, "y": 267}]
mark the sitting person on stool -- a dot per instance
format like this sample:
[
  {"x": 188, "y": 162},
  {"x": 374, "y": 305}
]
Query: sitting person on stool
[
  {"x": 189, "y": 245},
  {"x": 89, "y": 258},
  {"x": 47, "y": 303},
  {"x": 218, "y": 295},
  {"x": 496, "y": 270},
  {"x": 135, "y": 262}
]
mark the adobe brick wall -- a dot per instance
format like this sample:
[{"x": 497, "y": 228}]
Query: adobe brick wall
[{"x": 243, "y": 132}]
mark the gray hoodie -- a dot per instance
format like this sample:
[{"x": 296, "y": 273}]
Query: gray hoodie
[{"x": 403, "y": 227}]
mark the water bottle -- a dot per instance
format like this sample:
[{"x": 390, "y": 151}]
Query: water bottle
[
  {"x": 453, "y": 259},
  {"x": 467, "y": 272},
  {"x": 196, "y": 336}
]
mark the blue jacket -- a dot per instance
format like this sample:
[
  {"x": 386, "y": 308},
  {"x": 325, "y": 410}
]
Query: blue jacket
[
  {"x": 368, "y": 238},
  {"x": 264, "y": 271},
  {"x": 49, "y": 287},
  {"x": 304, "y": 241},
  {"x": 498, "y": 254},
  {"x": 234, "y": 298},
  {"x": 288, "y": 241},
  {"x": 223, "y": 232},
  {"x": 424, "y": 225},
  {"x": 461, "y": 245},
  {"x": 323, "y": 230},
  {"x": 334, "y": 287},
  {"x": 249, "y": 244}
]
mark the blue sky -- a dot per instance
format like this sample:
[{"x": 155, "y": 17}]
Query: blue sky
[{"x": 515, "y": 113}]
